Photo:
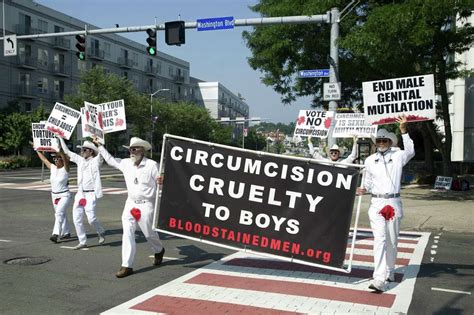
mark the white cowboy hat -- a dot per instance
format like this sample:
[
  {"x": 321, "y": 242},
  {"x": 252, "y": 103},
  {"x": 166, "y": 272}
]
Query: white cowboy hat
[
  {"x": 88, "y": 145},
  {"x": 335, "y": 147},
  {"x": 384, "y": 134},
  {"x": 137, "y": 142}
]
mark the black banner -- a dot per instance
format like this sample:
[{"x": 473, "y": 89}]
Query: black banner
[{"x": 268, "y": 204}]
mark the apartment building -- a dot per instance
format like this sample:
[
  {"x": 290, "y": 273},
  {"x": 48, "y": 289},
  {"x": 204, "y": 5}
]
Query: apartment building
[{"x": 46, "y": 69}]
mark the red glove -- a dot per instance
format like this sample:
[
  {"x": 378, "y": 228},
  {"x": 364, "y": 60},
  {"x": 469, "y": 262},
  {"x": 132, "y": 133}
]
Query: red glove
[
  {"x": 387, "y": 212},
  {"x": 136, "y": 213},
  {"x": 82, "y": 202}
]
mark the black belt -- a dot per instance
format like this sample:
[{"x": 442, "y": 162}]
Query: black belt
[
  {"x": 60, "y": 192},
  {"x": 88, "y": 191},
  {"x": 386, "y": 196},
  {"x": 140, "y": 201}
]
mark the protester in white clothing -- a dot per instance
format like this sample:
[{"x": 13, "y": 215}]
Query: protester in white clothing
[
  {"x": 383, "y": 181},
  {"x": 141, "y": 176},
  {"x": 334, "y": 153},
  {"x": 60, "y": 195},
  {"x": 89, "y": 189}
]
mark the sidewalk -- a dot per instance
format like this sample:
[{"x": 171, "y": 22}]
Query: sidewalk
[{"x": 428, "y": 210}]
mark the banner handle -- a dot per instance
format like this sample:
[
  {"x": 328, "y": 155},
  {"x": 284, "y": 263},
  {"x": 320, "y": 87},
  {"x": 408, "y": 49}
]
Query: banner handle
[{"x": 356, "y": 223}]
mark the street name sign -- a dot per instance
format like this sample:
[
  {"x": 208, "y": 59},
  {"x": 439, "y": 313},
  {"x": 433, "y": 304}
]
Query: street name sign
[
  {"x": 212, "y": 24},
  {"x": 317, "y": 73}
]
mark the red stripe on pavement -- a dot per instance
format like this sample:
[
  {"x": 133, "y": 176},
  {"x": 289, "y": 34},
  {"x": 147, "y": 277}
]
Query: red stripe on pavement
[
  {"x": 283, "y": 265},
  {"x": 178, "y": 305},
  {"x": 367, "y": 258},
  {"x": 366, "y": 246},
  {"x": 295, "y": 288}
]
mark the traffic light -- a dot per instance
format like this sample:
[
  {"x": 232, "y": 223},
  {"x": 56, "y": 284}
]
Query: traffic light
[
  {"x": 174, "y": 33},
  {"x": 151, "y": 40},
  {"x": 81, "y": 47}
]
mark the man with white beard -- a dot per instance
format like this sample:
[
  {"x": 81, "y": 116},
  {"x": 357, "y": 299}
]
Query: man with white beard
[
  {"x": 141, "y": 178},
  {"x": 383, "y": 181}
]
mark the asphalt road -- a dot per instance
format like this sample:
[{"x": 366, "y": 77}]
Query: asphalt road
[{"x": 83, "y": 282}]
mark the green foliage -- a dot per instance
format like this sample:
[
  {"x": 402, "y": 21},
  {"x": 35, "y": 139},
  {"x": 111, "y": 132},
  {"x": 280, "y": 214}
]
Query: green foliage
[
  {"x": 254, "y": 141},
  {"x": 13, "y": 162}
]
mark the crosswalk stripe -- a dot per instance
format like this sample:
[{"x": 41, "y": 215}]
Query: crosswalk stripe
[
  {"x": 257, "y": 281},
  {"x": 47, "y": 187}
]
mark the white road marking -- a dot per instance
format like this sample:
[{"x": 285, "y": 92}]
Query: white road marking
[
  {"x": 72, "y": 247},
  {"x": 166, "y": 257},
  {"x": 6, "y": 241},
  {"x": 451, "y": 291}
]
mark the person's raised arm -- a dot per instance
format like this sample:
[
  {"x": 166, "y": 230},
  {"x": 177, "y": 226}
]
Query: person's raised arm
[
  {"x": 65, "y": 160},
  {"x": 353, "y": 155},
  {"x": 116, "y": 163},
  {"x": 43, "y": 158},
  {"x": 408, "y": 146},
  {"x": 314, "y": 152},
  {"x": 72, "y": 156}
]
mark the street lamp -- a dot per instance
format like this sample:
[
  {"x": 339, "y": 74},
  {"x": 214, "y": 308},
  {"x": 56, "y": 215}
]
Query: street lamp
[{"x": 152, "y": 120}]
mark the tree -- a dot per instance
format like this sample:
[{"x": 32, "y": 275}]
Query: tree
[
  {"x": 418, "y": 37},
  {"x": 379, "y": 40},
  {"x": 183, "y": 119}
]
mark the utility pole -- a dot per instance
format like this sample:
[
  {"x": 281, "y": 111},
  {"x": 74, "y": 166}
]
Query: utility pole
[{"x": 333, "y": 65}]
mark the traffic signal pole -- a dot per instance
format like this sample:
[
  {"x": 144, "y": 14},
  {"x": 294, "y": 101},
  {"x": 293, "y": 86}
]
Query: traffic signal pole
[{"x": 331, "y": 17}]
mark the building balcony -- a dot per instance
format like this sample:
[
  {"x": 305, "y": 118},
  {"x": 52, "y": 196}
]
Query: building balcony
[
  {"x": 60, "y": 70},
  {"x": 27, "y": 62},
  {"x": 125, "y": 62},
  {"x": 25, "y": 91},
  {"x": 150, "y": 70},
  {"x": 97, "y": 54},
  {"x": 178, "y": 78},
  {"x": 61, "y": 43},
  {"x": 22, "y": 29}
]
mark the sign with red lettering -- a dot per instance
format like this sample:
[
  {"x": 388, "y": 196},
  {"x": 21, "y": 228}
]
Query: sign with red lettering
[
  {"x": 62, "y": 120},
  {"x": 93, "y": 123},
  {"x": 313, "y": 123},
  {"x": 268, "y": 203},
  {"x": 386, "y": 100}
]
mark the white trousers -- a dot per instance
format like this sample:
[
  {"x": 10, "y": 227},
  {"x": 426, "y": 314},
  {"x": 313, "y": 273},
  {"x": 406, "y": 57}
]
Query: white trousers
[
  {"x": 61, "y": 224},
  {"x": 385, "y": 236},
  {"x": 78, "y": 214},
  {"x": 129, "y": 225}
]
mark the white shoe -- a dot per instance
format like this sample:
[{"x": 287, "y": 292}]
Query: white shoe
[
  {"x": 101, "y": 239},
  {"x": 80, "y": 246},
  {"x": 390, "y": 278},
  {"x": 377, "y": 285}
]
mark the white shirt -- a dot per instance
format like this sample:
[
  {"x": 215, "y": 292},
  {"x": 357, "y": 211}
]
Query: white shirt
[
  {"x": 384, "y": 171},
  {"x": 59, "y": 181},
  {"x": 88, "y": 171},
  {"x": 140, "y": 180}
]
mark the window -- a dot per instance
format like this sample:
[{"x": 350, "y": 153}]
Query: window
[
  {"x": 135, "y": 59},
  {"x": 24, "y": 50},
  {"x": 25, "y": 24},
  {"x": 43, "y": 57},
  {"x": 42, "y": 85},
  {"x": 158, "y": 67},
  {"x": 107, "y": 50},
  {"x": 170, "y": 71},
  {"x": 28, "y": 107},
  {"x": 150, "y": 85},
  {"x": 135, "y": 81},
  {"x": 95, "y": 47},
  {"x": 24, "y": 79},
  {"x": 59, "y": 89},
  {"x": 42, "y": 26},
  {"x": 58, "y": 29},
  {"x": 125, "y": 75},
  {"x": 59, "y": 63}
]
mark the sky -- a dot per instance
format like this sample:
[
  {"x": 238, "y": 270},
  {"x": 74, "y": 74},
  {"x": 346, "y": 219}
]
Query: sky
[{"x": 213, "y": 55}]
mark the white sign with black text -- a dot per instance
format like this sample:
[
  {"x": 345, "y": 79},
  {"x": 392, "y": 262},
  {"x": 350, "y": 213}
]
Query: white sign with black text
[
  {"x": 62, "y": 120},
  {"x": 313, "y": 123},
  {"x": 332, "y": 91},
  {"x": 349, "y": 125},
  {"x": 386, "y": 100},
  {"x": 43, "y": 139}
]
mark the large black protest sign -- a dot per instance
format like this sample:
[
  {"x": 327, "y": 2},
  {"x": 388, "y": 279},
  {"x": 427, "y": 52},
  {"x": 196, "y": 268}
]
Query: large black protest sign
[{"x": 269, "y": 204}]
